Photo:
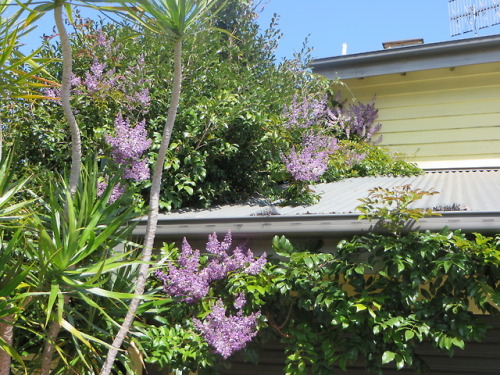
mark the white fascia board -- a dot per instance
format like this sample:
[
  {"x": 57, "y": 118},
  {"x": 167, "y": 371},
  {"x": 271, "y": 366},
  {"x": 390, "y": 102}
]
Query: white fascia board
[
  {"x": 409, "y": 59},
  {"x": 458, "y": 164},
  {"x": 314, "y": 225}
]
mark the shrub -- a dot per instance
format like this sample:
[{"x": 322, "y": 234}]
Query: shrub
[
  {"x": 377, "y": 297},
  {"x": 360, "y": 159}
]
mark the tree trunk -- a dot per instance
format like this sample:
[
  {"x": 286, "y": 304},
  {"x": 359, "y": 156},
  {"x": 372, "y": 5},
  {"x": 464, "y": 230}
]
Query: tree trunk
[
  {"x": 49, "y": 347},
  {"x": 76, "y": 144},
  {"x": 7, "y": 333},
  {"x": 76, "y": 159},
  {"x": 154, "y": 200}
]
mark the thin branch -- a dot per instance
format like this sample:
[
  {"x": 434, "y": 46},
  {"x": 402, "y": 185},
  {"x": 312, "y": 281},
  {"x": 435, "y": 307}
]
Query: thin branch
[
  {"x": 76, "y": 147},
  {"x": 154, "y": 200}
]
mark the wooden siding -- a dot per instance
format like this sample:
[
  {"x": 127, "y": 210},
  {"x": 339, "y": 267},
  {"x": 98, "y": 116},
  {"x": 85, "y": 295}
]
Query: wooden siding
[
  {"x": 478, "y": 358},
  {"x": 441, "y": 114}
]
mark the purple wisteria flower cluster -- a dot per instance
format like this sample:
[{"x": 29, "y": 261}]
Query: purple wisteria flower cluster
[
  {"x": 98, "y": 81},
  {"x": 127, "y": 148},
  {"x": 190, "y": 281},
  {"x": 311, "y": 162},
  {"x": 116, "y": 193},
  {"x": 228, "y": 333},
  {"x": 356, "y": 120},
  {"x": 305, "y": 113},
  {"x": 308, "y": 161},
  {"x": 352, "y": 157},
  {"x": 102, "y": 81}
]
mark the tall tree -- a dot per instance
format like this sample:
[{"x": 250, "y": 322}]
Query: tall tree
[
  {"x": 76, "y": 148},
  {"x": 174, "y": 20}
]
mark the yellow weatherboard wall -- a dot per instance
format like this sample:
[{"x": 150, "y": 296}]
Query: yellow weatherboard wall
[{"x": 446, "y": 114}]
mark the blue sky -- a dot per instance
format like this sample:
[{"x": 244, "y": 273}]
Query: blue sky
[{"x": 363, "y": 24}]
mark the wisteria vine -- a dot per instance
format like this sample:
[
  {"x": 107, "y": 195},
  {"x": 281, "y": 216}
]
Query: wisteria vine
[
  {"x": 127, "y": 149},
  {"x": 190, "y": 278}
]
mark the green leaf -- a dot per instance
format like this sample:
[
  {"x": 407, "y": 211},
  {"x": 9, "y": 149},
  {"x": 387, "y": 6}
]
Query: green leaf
[
  {"x": 118, "y": 295},
  {"x": 54, "y": 293},
  {"x": 44, "y": 7},
  {"x": 67, "y": 326},
  {"x": 282, "y": 246},
  {"x": 360, "y": 269},
  {"x": 409, "y": 335},
  {"x": 360, "y": 307},
  {"x": 387, "y": 357},
  {"x": 458, "y": 342},
  {"x": 400, "y": 363}
]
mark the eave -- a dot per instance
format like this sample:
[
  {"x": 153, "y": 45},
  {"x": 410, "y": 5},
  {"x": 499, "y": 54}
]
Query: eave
[{"x": 402, "y": 60}]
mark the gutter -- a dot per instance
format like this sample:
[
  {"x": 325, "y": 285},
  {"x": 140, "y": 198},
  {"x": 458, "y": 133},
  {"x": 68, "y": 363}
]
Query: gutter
[
  {"x": 310, "y": 225},
  {"x": 413, "y": 58}
]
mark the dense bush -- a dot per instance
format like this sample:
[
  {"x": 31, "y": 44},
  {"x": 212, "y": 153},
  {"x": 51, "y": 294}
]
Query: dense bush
[
  {"x": 233, "y": 128},
  {"x": 375, "y": 297},
  {"x": 225, "y": 136},
  {"x": 67, "y": 279},
  {"x": 378, "y": 296},
  {"x": 361, "y": 159}
]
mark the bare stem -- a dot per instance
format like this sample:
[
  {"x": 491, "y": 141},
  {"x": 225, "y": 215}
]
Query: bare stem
[
  {"x": 76, "y": 144},
  {"x": 154, "y": 200},
  {"x": 49, "y": 347}
]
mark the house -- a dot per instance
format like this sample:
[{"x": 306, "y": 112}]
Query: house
[{"x": 439, "y": 105}]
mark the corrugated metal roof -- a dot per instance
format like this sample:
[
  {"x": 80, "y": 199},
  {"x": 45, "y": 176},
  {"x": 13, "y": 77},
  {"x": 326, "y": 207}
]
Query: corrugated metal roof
[{"x": 459, "y": 190}]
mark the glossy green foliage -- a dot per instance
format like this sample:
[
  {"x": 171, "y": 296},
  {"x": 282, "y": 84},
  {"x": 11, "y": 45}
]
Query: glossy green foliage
[
  {"x": 377, "y": 297},
  {"x": 395, "y": 209},
  {"x": 228, "y": 127},
  {"x": 176, "y": 346},
  {"x": 376, "y": 161}
]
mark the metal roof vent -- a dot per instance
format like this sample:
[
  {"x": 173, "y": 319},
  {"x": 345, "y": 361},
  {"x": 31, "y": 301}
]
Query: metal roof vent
[{"x": 402, "y": 43}]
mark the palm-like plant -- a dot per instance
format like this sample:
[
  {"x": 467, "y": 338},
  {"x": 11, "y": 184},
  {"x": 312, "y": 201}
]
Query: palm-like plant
[
  {"x": 76, "y": 236},
  {"x": 12, "y": 272},
  {"x": 76, "y": 148},
  {"x": 174, "y": 20},
  {"x": 15, "y": 81}
]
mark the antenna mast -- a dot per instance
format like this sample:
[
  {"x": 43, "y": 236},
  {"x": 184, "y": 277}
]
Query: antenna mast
[{"x": 472, "y": 15}]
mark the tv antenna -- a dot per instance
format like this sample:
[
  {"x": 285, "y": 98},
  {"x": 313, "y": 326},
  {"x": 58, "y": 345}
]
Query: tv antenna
[{"x": 472, "y": 15}]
